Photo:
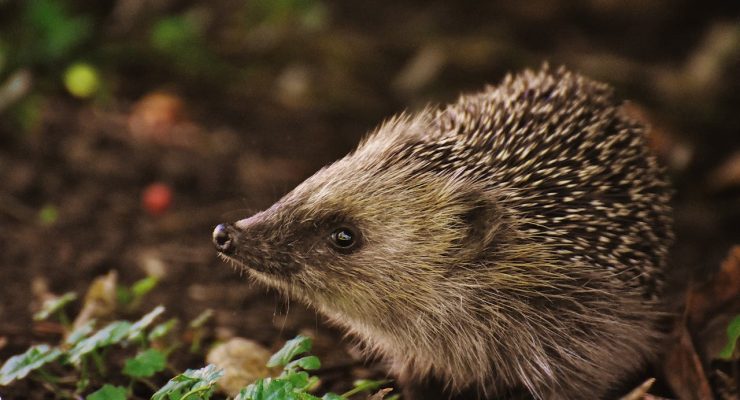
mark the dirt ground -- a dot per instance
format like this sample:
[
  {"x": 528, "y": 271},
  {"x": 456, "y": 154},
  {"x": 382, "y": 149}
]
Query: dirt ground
[{"x": 231, "y": 140}]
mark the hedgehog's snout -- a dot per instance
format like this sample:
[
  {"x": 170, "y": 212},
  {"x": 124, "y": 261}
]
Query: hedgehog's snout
[
  {"x": 223, "y": 238},
  {"x": 229, "y": 237}
]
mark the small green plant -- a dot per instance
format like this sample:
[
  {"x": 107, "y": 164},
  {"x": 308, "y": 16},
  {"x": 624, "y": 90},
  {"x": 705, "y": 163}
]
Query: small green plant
[
  {"x": 733, "y": 337},
  {"x": 191, "y": 384},
  {"x": 83, "y": 350},
  {"x": 295, "y": 383},
  {"x": 308, "y": 14},
  {"x": 121, "y": 359},
  {"x": 80, "y": 361}
]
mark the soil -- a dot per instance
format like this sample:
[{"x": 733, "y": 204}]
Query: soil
[{"x": 228, "y": 148}]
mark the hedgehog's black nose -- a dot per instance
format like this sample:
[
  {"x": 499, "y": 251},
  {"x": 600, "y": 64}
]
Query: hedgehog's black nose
[{"x": 222, "y": 239}]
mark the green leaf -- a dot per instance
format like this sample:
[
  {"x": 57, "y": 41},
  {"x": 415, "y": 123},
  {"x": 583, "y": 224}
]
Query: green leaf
[
  {"x": 298, "y": 380},
  {"x": 308, "y": 396},
  {"x": 48, "y": 215},
  {"x": 292, "y": 348},
  {"x": 108, "y": 392},
  {"x": 290, "y": 387},
  {"x": 199, "y": 380},
  {"x": 138, "y": 327},
  {"x": 201, "y": 319},
  {"x": 80, "y": 332},
  {"x": 733, "y": 335},
  {"x": 312, "y": 14},
  {"x": 55, "y": 32},
  {"x": 208, "y": 374},
  {"x": 313, "y": 383},
  {"x": 162, "y": 329},
  {"x": 267, "y": 389},
  {"x": 365, "y": 385},
  {"x": 19, "y": 366},
  {"x": 333, "y": 396},
  {"x": 253, "y": 391},
  {"x": 52, "y": 306},
  {"x": 145, "y": 364},
  {"x": 307, "y": 363},
  {"x": 113, "y": 333},
  {"x": 174, "y": 34},
  {"x": 27, "y": 113},
  {"x": 144, "y": 286},
  {"x": 124, "y": 295}
]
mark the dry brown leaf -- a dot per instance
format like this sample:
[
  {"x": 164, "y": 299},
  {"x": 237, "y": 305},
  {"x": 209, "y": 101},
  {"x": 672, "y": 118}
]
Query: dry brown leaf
[
  {"x": 649, "y": 396},
  {"x": 293, "y": 86},
  {"x": 727, "y": 175},
  {"x": 243, "y": 362},
  {"x": 380, "y": 395},
  {"x": 162, "y": 118},
  {"x": 683, "y": 368},
  {"x": 722, "y": 289},
  {"x": 639, "y": 392},
  {"x": 100, "y": 299},
  {"x": 727, "y": 388},
  {"x": 40, "y": 292},
  {"x": 421, "y": 70}
]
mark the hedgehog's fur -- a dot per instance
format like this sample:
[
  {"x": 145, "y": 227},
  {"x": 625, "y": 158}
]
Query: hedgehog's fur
[{"x": 512, "y": 241}]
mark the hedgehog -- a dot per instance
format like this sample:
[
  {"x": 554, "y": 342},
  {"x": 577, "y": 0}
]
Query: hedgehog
[{"x": 511, "y": 244}]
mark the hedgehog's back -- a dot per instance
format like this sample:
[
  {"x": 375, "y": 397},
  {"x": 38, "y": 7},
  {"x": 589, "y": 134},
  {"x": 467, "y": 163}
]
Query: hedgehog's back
[{"x": 569, "y": 166}]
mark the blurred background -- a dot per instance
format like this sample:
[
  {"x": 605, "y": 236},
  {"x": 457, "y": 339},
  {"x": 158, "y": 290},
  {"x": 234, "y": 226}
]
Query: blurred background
[{"x": 130, "y": 128}]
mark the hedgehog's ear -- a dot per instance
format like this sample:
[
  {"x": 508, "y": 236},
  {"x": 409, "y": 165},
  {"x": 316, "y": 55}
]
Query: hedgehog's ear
[{"x": 481, "y": 222}]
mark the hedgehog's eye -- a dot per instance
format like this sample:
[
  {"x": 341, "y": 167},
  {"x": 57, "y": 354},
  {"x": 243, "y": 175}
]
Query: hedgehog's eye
[{"x": 343, "y": 238}]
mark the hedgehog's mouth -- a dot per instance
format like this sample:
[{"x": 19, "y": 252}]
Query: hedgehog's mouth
[
  {"x": 235, "y": 263},
  {"x": 241, "y": 265},
  {"x": 261, "y": 275}
]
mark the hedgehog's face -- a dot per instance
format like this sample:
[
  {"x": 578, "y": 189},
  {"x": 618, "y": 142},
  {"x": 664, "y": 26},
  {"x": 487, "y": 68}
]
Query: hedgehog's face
[
  {"x": 290, "y": 251},
  {"x": 367, "y": 242}
]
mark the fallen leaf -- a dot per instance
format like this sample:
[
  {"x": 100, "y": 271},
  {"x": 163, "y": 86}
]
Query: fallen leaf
[
  {"x": 162, "y": 118},
  {"x": 421, "y": 70},
  {"x": 243, "y": 362},
  {"x": 723, "y": 288},
  {"x": 156, "y": 114},
  {"x": 727, "y": 386},
  {"x": 100, "y": 299},
  {"x": 380, "y": 395},
  {"x": 639, "y": 392},
  {"x": 727, "y": 175},
  {"x": 683, "y": 369}
]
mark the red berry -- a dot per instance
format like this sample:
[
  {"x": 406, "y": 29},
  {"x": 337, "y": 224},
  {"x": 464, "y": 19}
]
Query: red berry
[{"x": 156, "y": 198}]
